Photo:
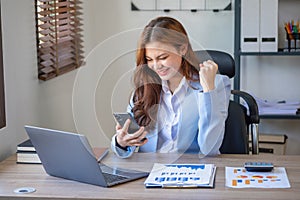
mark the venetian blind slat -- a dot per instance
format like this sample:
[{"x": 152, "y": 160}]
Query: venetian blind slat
[{"x": 59, "y": 36}]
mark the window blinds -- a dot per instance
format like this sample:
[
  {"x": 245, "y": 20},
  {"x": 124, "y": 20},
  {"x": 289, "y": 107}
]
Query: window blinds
[{"x": 59, "y": 42}]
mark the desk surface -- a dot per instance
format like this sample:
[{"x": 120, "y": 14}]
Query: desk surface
[{"x": 14, "y": 175}]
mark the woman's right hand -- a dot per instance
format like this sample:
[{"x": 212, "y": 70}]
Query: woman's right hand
[
  {"x": 207, "y": 74},
  {"x": 125, "y": 139}
]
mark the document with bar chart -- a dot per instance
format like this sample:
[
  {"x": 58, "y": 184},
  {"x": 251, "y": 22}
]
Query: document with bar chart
[
  {"x": 181, "y": 175},
  {"x": 238, "y": 177}
]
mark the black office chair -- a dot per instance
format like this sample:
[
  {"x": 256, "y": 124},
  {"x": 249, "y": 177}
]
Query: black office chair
[{"x": 239, "y": 123}]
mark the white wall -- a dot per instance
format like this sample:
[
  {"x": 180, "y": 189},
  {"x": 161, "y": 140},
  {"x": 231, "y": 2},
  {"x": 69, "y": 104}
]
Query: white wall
[
  {"x": 28, "y": 101},
  {"x": 19, "y": 71},
  {"x": 83, "y": 100}
]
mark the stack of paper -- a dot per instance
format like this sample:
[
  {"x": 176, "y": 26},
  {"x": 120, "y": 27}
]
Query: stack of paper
[
  {"x": 181, "y": 175},
  {"x": 279, "y": 108},
  {"x": 266, "y": 107}
]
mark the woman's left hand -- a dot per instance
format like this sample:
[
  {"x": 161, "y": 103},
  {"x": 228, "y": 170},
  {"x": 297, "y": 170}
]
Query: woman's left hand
[{"x": 207, "y": 74}]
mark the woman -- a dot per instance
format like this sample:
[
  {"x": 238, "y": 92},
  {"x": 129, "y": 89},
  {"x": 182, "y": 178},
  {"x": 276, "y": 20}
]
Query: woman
[{"x": 180, "y": 104}]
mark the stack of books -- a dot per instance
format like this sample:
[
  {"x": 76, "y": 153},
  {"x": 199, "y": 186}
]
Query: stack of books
[{"x": 26, "y": 153}]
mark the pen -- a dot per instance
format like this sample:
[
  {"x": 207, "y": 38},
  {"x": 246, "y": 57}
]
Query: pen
[
  {"x": 295, "y": 29},
  {"x": 287, "y": 28},
  {"x": 290, "y": 26}
]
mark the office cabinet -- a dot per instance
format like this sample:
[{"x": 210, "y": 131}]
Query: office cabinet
[
  {"x": 259, "y": 25},
  {"x": 251, "y": 16}
]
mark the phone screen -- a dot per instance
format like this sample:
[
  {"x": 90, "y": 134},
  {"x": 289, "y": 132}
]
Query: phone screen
[{"x": 121, "y": 119}]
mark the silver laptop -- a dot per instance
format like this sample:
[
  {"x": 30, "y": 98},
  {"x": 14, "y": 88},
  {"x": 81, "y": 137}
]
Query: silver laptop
[{"x": 70, "y": 156}]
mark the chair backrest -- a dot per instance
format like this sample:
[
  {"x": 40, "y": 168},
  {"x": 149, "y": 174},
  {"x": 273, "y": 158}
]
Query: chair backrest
[
  {"x": 236, "y": 129},
  {"x": 224, "y": 60}
]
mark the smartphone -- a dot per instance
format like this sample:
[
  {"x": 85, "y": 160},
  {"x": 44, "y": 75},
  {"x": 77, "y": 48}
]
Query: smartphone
[{"x": 121, "y": 119}]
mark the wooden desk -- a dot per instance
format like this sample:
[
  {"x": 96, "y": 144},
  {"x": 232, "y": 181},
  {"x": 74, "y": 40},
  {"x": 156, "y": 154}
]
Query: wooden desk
[{"x": 14, "y": 175}]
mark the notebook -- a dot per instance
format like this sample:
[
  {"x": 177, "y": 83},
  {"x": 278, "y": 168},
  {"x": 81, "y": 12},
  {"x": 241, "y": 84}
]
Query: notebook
[{"x": 70, "y": 156}]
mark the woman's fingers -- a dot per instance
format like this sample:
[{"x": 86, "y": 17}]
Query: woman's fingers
[
  {"x": 118, "y": 127},
  {"x": 140, "y": 134},
  {"x": 207, "y": 73},
  {"x": 139, "y": 142},
  {"x": 126, "y": 125},
  {"x": 135, "y": 139}
]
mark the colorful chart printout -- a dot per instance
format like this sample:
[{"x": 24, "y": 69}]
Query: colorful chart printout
[
  {"x": 181, "y": 175},
  {"x": 240, "y": 178}
]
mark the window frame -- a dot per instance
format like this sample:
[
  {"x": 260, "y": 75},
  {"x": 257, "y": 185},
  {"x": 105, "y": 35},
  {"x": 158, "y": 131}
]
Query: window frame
[{"x": 2, "y": 89}]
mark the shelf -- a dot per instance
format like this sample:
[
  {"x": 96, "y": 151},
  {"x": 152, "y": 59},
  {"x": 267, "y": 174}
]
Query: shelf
[
  {"x": 279, "y": 116},
  {"x": 279, "y": 53},
  {"x": 181, "y": 5},
  {"x": 238, "y": 54}
]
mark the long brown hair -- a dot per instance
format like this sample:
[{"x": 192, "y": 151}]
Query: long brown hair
[{"x": 147, "y": 83}]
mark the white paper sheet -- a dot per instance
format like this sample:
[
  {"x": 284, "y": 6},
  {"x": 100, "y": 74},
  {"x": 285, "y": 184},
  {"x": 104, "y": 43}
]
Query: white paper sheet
[
  {"x": 238, "y": 177},
  {"x": 181, "y": 175}
]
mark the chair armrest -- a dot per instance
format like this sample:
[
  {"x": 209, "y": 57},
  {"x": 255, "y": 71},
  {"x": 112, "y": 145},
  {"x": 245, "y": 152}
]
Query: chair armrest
[
  {"x": 251, "y": 103},
  {"x": 253, "y": 118}
]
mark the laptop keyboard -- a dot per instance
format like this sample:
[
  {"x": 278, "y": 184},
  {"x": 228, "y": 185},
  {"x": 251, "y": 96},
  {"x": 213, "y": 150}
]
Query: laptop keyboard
[{"x": 111, "y": 178}]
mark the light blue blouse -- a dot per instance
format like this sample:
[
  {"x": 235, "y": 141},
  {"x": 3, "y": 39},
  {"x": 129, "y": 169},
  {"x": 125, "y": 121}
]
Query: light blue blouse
[
  {"x": 201, "y": 122},
  {"x": 168, "y": 115}
]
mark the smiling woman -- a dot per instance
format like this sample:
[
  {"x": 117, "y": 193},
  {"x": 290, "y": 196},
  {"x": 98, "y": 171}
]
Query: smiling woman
[
  {"x": 2, "y": 97},
  {"x": 175, "y": 96}
]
